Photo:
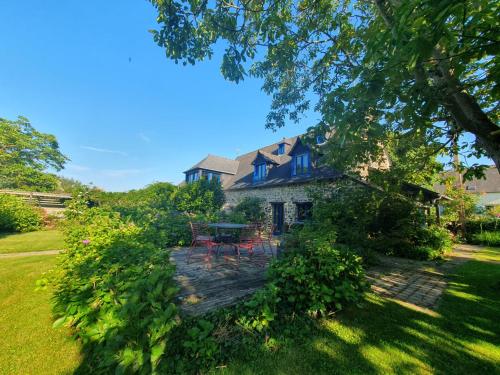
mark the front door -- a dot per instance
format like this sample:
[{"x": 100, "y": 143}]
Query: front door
[{"x": 278, "y": 217}]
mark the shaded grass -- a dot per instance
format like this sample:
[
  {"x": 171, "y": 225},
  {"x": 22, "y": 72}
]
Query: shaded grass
[
  {"x": 32, "y": 241},
  {"x": 463, "y": 337},
  {"x": 489, "y": 254},
  {"x": 28, "y": 343}
]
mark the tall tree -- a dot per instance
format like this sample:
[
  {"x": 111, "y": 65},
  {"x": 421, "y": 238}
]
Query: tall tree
[
  {"x": 25, "y": 154},
  {"x": 424, "y": 69}
]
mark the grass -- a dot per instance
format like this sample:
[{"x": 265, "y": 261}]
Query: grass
[
  {"x": 489, "y": 254},
  {"x": 463, "y": 337},
  {"x": 32, "y": 241},
  {"x": 28, "y": 343}
]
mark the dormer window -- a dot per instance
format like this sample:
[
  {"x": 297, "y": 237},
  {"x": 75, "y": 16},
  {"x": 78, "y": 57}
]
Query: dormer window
[
  {"x": 300, "y": 164},
  {"x": 192, "y": 176},
  {"x": 260, "y": 172},
  {"x": 281, "y": 148},
  {"x": 211, "y": 176}
]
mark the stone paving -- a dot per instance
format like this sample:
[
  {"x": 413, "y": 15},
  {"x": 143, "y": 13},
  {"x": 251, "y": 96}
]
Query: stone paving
[{"x": 416, "y": 282}]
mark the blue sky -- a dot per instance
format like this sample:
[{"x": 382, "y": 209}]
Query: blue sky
[{"x": 89, "y": 73}]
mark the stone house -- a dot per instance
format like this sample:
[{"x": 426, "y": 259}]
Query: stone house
[{"x": 279, "y": 174}]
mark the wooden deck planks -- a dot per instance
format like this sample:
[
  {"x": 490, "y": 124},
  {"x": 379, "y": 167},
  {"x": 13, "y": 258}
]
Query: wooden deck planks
[{"x": 208, "y": 283}]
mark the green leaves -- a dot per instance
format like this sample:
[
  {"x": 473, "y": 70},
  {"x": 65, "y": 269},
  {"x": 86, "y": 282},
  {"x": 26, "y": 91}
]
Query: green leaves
[
  {"x": 117, "y": 290},
  {"x": 317, "y": 278},
  {"x": 24, "y": 155},
  {"x": 370, "y": 69},
  {"x": 18, "y": 216},
  {"x": 59, "y": 322}
]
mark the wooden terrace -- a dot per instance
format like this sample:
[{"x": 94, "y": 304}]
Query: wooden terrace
[{"x": 211, "y": 282}]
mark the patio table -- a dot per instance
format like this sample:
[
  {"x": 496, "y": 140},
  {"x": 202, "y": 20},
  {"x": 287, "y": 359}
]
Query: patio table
[
  {"x": 228, "y": 226},
  {"x": 226, "y": 239}
]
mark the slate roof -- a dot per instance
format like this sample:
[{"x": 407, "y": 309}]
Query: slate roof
[
  {"x": 490, "y": 184},
  {"x": 217, "y": 164},
  {"x": 280, "y": 170},
  {"x": 270, "y": 157},
  {"x": 280, "y": 174}
]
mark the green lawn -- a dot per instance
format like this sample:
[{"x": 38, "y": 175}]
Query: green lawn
[
  {"x": 463, "y": 337},
  {"x": 387, "y": 337},
  {"x": 28, "y": 344},
  {"x": 32, "y": 241}
]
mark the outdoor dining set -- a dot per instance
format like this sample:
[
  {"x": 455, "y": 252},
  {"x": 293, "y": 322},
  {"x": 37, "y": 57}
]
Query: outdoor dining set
[{"x": 231, "y": 239}]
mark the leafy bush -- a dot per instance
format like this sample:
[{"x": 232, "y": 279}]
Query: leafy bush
[
  {"x": 164, "y": 210},
  {"x": 200, "y": 197},
  {"x": 206, "y": 342},
  {"x": 316, "y": 277},
  {"x": 155, "y": 196},
  {"x": 388, "y": 222},
  {"x": 348, "y": 213},
  {"x": 422, "y": 242},
  {"x": 249, "y": 210},
  {"x": 480, "y": 223},
  {"x": 18, "y": 216},
  {"x": 487, "y": 238},
  {"x": 116, "y": 290}
]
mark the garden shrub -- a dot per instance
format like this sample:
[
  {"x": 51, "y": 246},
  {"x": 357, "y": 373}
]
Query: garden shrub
[
  {"x": 206, "y": 342},
  {"x": 164, "y": 210},
  {"x": 479, "y": 223},
  {"x": 200, "y": 197},
  {"x": 348, "y": 213},
  {"x": 249, "y": 210},
  {"x": 317, "y": 278},
  {"x": 18, "y": 216},
  {"x": 115, "y": 289},
  {"x": 367, "y": 219},
  {"x": 416, "y": 242},
  {"x": 487, "y": 238}
]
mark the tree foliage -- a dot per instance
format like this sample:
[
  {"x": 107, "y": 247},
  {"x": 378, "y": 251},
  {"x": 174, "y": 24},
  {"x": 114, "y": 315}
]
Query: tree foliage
[
  {"x": 421, "y": 69},
  {"x": 71, "y": 185},
  {"x": 250, "y": 210},
  {"x": 200, "y": 197},
  {"x": 25, "y": 154}
]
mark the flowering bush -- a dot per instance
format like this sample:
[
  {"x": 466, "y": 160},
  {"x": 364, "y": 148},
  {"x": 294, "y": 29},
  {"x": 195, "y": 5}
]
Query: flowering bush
[
  {"x": 115, "y": 289},
  {"x": 18, "y": 216}
]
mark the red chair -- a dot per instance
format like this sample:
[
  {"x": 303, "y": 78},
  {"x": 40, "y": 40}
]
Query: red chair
[
  {"x": 264, "y": 236},
  {"x": 249, "y": 239},
  {"x": 201, "y": 237}
]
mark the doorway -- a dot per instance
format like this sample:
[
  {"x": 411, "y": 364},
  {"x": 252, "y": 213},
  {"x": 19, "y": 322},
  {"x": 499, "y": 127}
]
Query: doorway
[{"x": 278, "y": 217}]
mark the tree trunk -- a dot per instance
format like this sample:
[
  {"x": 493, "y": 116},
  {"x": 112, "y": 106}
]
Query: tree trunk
[
  {"x": 463, "y": 107},
  {"x": 465, "y": 110}
]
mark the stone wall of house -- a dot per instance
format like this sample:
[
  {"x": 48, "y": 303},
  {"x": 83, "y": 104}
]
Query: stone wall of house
[{"x": 287, "y": 194}]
